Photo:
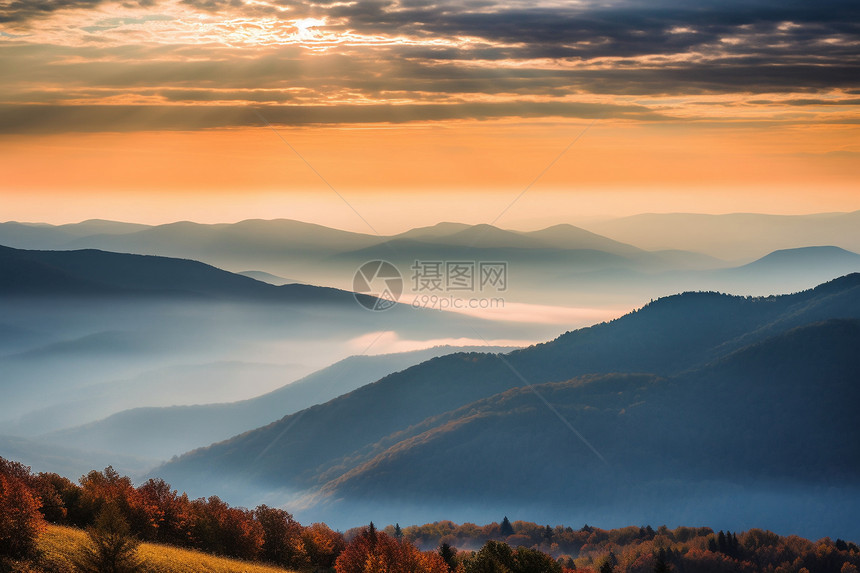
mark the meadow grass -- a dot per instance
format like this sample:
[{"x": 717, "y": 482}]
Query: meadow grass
[{"x": 57, "y": 544}]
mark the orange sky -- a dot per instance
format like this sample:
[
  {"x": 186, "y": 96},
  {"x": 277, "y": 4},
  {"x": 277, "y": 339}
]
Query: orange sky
[{"x": 147, "y": 112}]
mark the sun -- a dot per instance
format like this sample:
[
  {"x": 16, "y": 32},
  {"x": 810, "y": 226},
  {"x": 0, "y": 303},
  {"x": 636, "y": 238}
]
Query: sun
[{"x": 306, "y": 28}]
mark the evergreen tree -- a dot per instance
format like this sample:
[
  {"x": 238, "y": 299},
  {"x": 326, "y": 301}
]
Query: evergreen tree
[
  {"x": 721, "y": 542},
  {"x": 547, "y": 533},
  {"x": 449, "y": 556},
  {"x": 506, "y": 528},
  {"x": 371, "y": 534},
  {"x": 660, "y": 565},
  {"x": 608, "y": 565},
  {"x": 398, "y": 533}
]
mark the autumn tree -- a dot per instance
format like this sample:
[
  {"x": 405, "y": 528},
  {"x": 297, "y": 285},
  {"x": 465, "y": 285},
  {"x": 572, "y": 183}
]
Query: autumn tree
[
  {"x": 219, "y": 528},
  {"x": 283, "y": 542},
  {"x": 60, "y": 498},
  {"x": 20, "y": 519},
  {"x": 322, "y": 545},
  {"x": 169, "y": 515},
  {"x": 108, "y": 487}
]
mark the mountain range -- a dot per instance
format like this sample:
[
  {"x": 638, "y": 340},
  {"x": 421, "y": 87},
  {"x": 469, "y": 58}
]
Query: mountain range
[
  {"x": 692, "y": 387},
  {"x": 86, "y": 333},
  {"x": 616, "y": 266},
  {"x": 690, "y": 395}
]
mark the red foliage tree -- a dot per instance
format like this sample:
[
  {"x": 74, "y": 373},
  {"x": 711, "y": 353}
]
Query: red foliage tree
[
  {"x": 20, "y": 519},
  {"x": 219, "y": 528},
  {"x": 170, "y": 515}
]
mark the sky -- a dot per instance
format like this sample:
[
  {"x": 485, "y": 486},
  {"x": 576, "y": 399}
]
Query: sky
[{"x": 390, "y": 114}]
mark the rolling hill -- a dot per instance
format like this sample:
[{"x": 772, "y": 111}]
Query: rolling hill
[{"x": 792, "y": 393}]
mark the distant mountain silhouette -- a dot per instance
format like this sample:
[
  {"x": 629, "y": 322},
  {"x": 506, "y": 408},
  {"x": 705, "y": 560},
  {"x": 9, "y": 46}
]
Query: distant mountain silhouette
[
  {"x": 438, "y": 230},
  {"x": 568, "y": 236},
  {"x": 733, "y": 236},
  {"x": 477, "y": 240},
  {"x": 166, "y": 431},
  {"x": 667, "y": 338},
  {"x": 100, "y": 273},
  {"x": 549, "y": 265},
  {"x": 253, "y": 236},
  {"x": 283, "y": 236},
  {"x": 806, "y": 257},
  {"x": 43, "y": 236}
]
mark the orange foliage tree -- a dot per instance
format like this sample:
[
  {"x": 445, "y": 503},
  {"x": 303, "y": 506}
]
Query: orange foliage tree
[{"x": 376, "y": 552}]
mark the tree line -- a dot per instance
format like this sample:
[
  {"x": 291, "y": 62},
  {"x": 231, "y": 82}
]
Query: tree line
[
  {"x": 155, "y": 512},
  {"x": 118, "y": 516}
]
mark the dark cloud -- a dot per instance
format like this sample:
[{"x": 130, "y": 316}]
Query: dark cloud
[
  {"x": 213, "y": 5},
  {"x": 35, "y": 119},
  {"x": 624, "y": 30},
  {"x": 18, "y": 11},
  {"x": 624, "y": 48},
  {"x": 22, "y": 10},
  {"x": 379, "y": 72}
]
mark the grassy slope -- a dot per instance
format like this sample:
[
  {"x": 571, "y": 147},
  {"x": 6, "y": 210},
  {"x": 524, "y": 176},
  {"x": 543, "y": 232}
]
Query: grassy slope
[{"x": 58, "y": 543}]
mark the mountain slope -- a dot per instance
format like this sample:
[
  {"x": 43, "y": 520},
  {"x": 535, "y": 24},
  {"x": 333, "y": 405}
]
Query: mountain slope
[
  {"x": 667, "y": 337},
  {"x": 167, "y": 431},
  {"x": 744, "y": 417},
  {"x": 99, "y": 273}
]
